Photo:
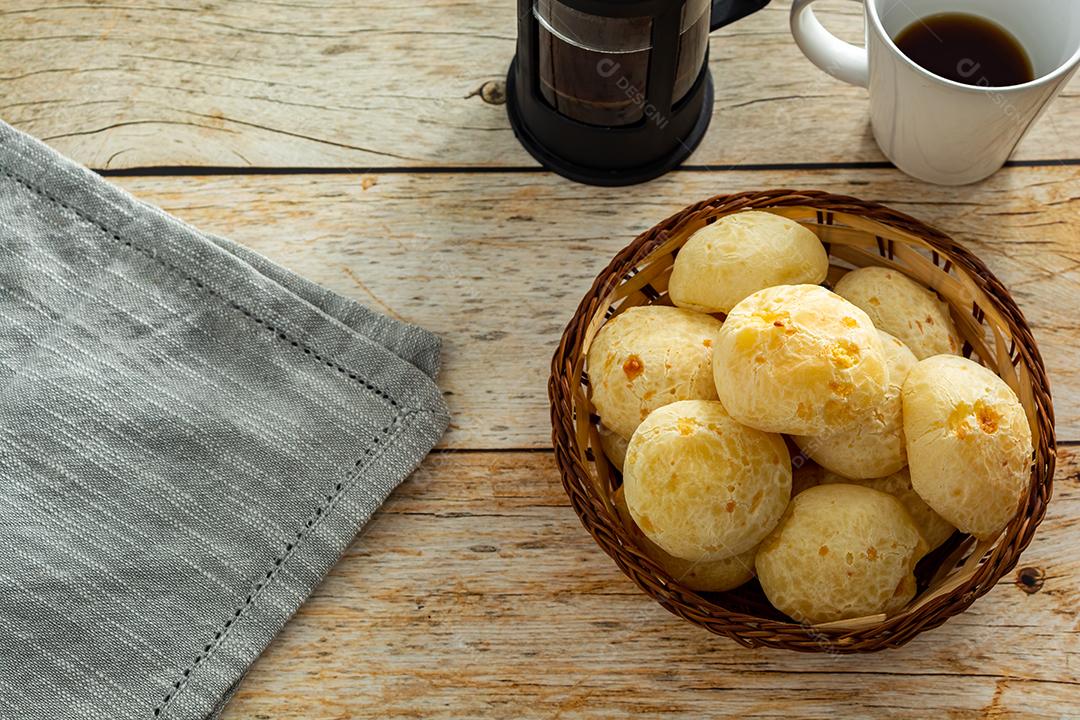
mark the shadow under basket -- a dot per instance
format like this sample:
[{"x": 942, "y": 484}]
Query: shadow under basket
[{"x": 855, "y": 233}]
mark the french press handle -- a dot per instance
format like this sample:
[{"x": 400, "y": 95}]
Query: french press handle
[{"x": 725, "y": 12}]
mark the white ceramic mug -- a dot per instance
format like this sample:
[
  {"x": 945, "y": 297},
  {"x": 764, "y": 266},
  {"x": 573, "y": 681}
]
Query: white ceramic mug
[{"x": 933, "y": 128}]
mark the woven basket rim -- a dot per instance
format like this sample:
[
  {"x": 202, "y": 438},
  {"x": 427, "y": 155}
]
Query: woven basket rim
[{"x": 749, "y": 630}]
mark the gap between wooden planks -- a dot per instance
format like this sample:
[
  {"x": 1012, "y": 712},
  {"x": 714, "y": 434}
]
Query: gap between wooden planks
[
  {"x": 351, "y": 84},
  {"x": 497, "y": 264},
  {"x": 475, "y": 592}
]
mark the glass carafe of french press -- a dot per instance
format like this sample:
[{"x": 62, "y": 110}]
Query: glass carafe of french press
[{"x": 614, "y": 92}]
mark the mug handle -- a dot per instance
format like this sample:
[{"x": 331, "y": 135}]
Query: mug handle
[
  {"x": 725, "y": 12},
  {"x": 840, "y": 59}
]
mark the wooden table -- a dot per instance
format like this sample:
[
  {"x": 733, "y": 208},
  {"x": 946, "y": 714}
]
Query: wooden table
[{"x": 366, "y": 148}]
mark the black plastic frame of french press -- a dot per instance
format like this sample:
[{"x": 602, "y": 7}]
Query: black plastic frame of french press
[{"x": 622, "y": 155}]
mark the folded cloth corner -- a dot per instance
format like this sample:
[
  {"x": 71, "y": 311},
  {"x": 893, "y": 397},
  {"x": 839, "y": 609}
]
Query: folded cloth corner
[{"x": 191, "y": 436}]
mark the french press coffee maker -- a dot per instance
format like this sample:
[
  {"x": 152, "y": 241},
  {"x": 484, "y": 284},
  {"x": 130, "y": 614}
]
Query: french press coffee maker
[{"x": 614, "y": 92}]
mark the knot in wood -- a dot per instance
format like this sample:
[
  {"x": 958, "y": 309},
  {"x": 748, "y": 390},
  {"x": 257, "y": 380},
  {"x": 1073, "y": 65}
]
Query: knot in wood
[
  {"x": 1030, "y": 579},
  {"x": 493, "y": 92}
]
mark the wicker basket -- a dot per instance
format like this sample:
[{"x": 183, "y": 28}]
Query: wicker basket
[{"x": 855, "y": 233}]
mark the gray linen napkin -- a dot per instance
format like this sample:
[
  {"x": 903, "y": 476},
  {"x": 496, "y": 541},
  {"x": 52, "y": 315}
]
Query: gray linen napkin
[{"x": 189, "y": 438}]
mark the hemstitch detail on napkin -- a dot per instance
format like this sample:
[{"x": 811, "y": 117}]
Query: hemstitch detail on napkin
[
  {"x": 284, "y": 337},
  {"x": 377, "y": 445}
]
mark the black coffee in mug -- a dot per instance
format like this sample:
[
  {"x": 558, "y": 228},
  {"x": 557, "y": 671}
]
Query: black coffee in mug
[{"x": 966, "y": 49}]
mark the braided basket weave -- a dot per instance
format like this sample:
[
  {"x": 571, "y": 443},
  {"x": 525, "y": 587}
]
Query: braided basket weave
[{"x": 855, "y": 233}]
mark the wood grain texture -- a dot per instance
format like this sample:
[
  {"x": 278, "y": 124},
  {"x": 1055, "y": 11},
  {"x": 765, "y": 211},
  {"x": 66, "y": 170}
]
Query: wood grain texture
[
  {"x": 475, "y": 592},
  {"x": 375, "y": 83},
  {"x": 497, "y": 263}
]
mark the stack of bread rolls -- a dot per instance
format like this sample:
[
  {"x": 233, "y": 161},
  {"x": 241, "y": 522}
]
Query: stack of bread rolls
[{"x": 823, "y": 440}]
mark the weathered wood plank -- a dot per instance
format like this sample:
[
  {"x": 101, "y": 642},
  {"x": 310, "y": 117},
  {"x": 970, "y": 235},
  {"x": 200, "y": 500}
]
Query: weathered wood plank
[
  {"x": 376, "y": 84},
  {"x": 475, "y": 592},
  {"x": 496, "y": 264}
]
